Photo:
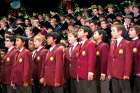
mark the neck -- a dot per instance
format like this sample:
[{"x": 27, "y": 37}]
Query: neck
[
  {"x": 20, "y": 47},
  {"x": 10, "y": 47},
  {"x": 98, "y": 41},
  {"x": 84, "y": 38},
  {"x": 74, "y": 43},
  {"x": 52, "y": 45},
  {"x": 118, "y": 37}
]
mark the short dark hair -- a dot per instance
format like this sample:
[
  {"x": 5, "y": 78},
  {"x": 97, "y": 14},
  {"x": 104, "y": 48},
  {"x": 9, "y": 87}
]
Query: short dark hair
[
  {"x": 10, "y": 37},
  {"x": 137, "y": 28},
  {"x": 23, "y": 38},
  {"x": 104, "y": 34},
  {"x": 87, "y": 29},
  {"x": 55, "y": 35}
]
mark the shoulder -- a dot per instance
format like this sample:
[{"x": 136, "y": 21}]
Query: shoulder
[
  {"x": 90, "y": 42},
  {"x": 60, "y": 48},
  {"x": 104, "y": 45},
  {"x": 26, "y": 51},
  {"x": 126, "y": 42}
]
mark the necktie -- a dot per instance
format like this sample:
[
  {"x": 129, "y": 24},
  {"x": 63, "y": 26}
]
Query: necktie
[
  {"x": 34, "y": 54},
  {"x": 114, "y": 47}
]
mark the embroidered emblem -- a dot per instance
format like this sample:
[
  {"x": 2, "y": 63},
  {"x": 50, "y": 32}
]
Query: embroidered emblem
[
  {"x": 135, "y": 50},
  {"x": 8, "y": 59},
  {"x": 97, "y": 53},
  {"x": 83, "y": 53},
  {"x": 121, "y": 51},
  {"x": 38, "y": 58},
  {"x": 20, "y": 60},
  {"x": 51, "y": 58}
]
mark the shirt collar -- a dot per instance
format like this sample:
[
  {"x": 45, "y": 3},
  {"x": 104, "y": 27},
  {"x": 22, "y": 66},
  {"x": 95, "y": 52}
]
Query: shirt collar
[
  {"x": 119, "y": 40},
  {"x": 21, "y": 49},
  {"x": 75, "y": 44},
  {"x": 52, "y": 48},
  {"x": 38, "y": 49},
  {"x": 135, "y": 38},
  {"x": 10, "y": 48},
  {"x": 83, "y": 42}
]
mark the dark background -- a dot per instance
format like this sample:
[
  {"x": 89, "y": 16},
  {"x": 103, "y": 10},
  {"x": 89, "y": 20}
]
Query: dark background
[{"x": 47, "y": 5}]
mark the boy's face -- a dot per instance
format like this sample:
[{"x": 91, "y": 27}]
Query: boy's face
[
  {"x": 50, "y": 40},
  {"x": 8, "y": 43},
  {"x": 96, "y": 36},
  {"x": 132, "y": 33},
  {"x": 71, "y": 38},
  {"x": 127, "y": 21},
  {"x": 81, "y": 33},
  {"x": 19, "y": 43},
  {"x": 115, "y": 33},
  {"x": 103, "y": 25},
  {"x": 135, "y": 10},
  {"x": 93, "y": 26},
  {"x": 95, "y": 12},
  {"x": 37, "y": 43}
]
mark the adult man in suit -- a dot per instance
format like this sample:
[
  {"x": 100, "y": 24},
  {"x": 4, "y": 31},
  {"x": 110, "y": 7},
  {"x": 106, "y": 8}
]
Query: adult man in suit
[
  {"x": 22, "y": 68},
  {"x": 120, "y": 61},
  {"x": 52, "y": 76},
  {"x": 86, "y": 63}
]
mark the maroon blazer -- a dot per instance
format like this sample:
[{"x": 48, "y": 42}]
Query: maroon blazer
[
  {"x": 22, "y": 68},
  {"x": 38, "y": 59},
  {"x": 8, "y": 62},
  {"x": 136, "y": 55},
  {"x": 53, "y": 68},
  {"x": 120, "y": 60},
  {"x": 72, "y": 57},
  {"x": 86, "y": 60},
  {"x": 67, "y": 60},
  {"x": 102, "y": 57}
]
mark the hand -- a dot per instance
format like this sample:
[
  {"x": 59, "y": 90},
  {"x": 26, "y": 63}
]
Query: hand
[
  {"x": 42, "y": 80},
  {"x": 25, "y": 84},
  {"x": 13, "y": 86},
  {"x": 126, "y": 77},
  {"x": 138, "y": 74},
  {"x": 90, "y": 76},
  {"x": 57, "y": 84},
  {"x": 109, "y": 77},
  {"x": 103, "y": 77}
]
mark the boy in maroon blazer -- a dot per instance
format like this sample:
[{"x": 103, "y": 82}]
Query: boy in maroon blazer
[
  {"x": 38, "y": 57},
  {"x": 8, "y": 61},
  {"x": 102, "y": 50},
  {"x": 22, "y": 68},
  {"x": 72, "y": 54},
  {"x": 135, "y": 44},
  {"x": 52, "y": 76},
  {"x": 86, "y": 64},
  {"x": 120, "y": 61}
]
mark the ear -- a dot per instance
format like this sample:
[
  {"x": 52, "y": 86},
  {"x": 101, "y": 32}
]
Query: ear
[
  {"x": 86, "y": 33},
  {"x": 24, "y": 43}
]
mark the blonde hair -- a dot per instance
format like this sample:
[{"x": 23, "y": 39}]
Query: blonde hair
[{"x": 40, "y": 37}]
